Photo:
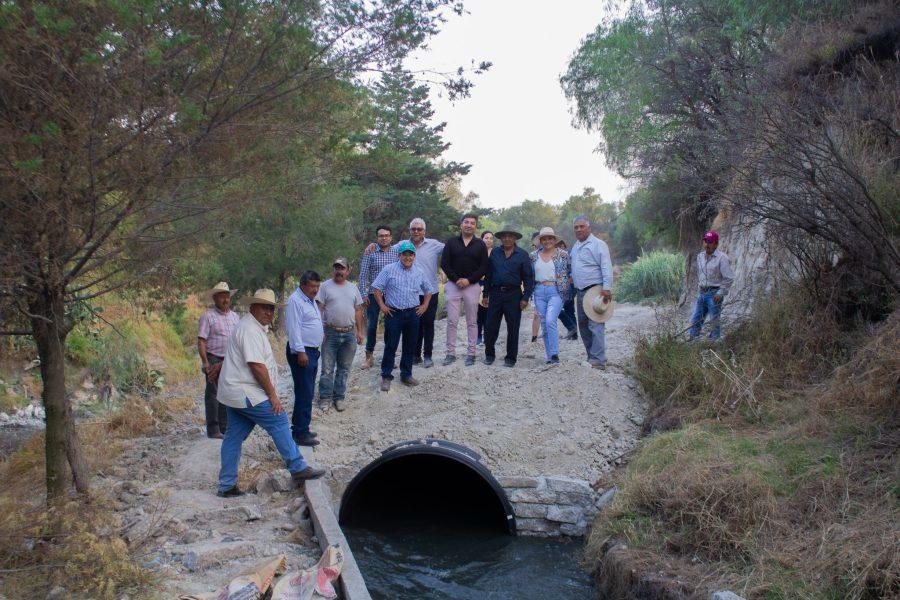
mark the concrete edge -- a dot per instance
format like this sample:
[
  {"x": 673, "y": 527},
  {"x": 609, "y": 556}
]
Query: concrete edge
[{"x": 325, "y": 524}]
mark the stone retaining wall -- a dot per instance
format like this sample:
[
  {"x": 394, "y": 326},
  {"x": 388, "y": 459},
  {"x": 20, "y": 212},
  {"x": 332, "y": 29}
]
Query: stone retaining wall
[{"x": 548, "y": 506}]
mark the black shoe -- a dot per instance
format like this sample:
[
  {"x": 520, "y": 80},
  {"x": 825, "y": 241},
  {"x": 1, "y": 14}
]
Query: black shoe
[
  {"x": 306, "y": 440},
  {"x": 488, "y": 360},
  {"x": 409, "y": 381},
  {"x": 232, "y": 492},
  {"x": 417, "y": 360},
  {"x": 573, "y": 335},
  {"x": 555, "y": 359},
  {"x": 508, "y": 363},
  {"x": 533, "y": 339},
  {"x": 470, "y": 360},
  {"x": 215, "y": 436},
  {"x": 306, "y": 474}
]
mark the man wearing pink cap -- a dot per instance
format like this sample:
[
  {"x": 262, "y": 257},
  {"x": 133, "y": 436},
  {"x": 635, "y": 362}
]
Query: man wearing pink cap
[{"x": 714, "y": 279}]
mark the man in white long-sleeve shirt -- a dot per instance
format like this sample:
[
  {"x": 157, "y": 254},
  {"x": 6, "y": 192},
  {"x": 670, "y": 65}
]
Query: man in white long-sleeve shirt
[
  {"x": 591, "y": 266},
  {"x": 303, "y": 322},
  {"x": 714, "y": 278}
]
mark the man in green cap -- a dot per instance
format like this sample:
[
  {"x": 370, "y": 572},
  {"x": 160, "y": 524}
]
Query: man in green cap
[{"x": 397, "y": 290}]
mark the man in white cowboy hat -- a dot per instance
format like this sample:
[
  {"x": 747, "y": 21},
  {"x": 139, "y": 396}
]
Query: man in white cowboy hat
[
  {"x": 591, "y": 268},
  {"x": 215, "y": 328},
  {"x": 509, "y": 286},
  {"x": 246, "y": 387}
]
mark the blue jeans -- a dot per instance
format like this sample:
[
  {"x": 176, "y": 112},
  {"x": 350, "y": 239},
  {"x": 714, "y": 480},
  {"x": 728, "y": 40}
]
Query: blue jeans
[
  {"x": 405, "y": 324},
  {"x": 338, "y": 351},
  {"x": 372, "y": 312},
  {"x": 241, "y": 422},
  {"x": 549, "y": 305},
  {"x": 706, "y": 306},
  {"x": 304, "y": 389},
  {"x": 593, "y": 334}
]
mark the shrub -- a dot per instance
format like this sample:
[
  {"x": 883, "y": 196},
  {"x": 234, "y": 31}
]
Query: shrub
[
  {"x": 119, "y": 360},
  {"x": 654, "y": 276}
]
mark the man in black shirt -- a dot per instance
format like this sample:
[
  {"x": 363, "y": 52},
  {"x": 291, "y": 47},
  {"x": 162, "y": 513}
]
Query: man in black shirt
[
  {"x": 510, "y": 274},
  {"x": 464, "y": 262}
]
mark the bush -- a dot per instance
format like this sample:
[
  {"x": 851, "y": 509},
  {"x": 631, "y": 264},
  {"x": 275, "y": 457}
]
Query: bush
[
  {"x": 119, "y": 360},
  {"x": 654, "y": 276}
]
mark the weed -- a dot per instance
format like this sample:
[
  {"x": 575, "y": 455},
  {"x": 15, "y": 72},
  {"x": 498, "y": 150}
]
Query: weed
[{"x": 653, "y": 276}]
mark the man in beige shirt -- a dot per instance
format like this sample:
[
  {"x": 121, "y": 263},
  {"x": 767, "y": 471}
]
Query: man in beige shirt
[{"x": 246, "y": 389}]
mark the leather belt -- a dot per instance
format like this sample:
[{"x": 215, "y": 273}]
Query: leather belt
[
  {"x": 708, "y": 288},
  {"x": 506, "y": 288},
  {"x": 546, "y": 283},
  {"x": 588, "y": 287},
  {"x": 339, "y": 329}
]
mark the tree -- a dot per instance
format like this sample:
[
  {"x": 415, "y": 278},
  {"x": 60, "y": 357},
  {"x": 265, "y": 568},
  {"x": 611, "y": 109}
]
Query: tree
[{"x": 119, "y": 119}]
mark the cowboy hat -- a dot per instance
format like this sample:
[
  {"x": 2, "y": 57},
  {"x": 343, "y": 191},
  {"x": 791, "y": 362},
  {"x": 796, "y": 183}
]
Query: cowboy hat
[
  {"x": 261, "y": 296},
  {"x": 508, "y": 231},
  {"x": 547, "y": 232},
  {"x": 596, "y": 307},
  {"x": 218, "y": 288}
]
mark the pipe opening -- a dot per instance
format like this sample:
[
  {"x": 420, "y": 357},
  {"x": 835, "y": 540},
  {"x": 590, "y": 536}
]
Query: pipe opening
[{"x": 425, "y": 486}]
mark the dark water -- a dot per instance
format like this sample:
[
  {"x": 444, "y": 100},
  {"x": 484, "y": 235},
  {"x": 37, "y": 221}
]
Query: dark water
[{"x": 432, "y": 562}]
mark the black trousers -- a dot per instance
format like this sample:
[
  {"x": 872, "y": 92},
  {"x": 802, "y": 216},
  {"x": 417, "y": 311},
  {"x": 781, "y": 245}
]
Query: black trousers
[
  {"x": 503, "y": 305},
  {"x": 216, "y": 416},
  {"x": 425, "y": 340}
]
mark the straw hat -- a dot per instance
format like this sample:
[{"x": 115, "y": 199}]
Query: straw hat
[
  {"x": 262, "y": 296},
  {"x": 220, "y": 287},
  {"x": 596, "y": 307},
  {"x": 547, "y": 232}
]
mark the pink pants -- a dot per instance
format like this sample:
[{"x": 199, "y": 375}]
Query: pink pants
[{"x": 469, "y": 296}]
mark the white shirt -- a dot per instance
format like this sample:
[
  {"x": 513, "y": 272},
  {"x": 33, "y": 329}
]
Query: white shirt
[
  {"x": 544, "y": 270},
  {"x": 303, "y": 322},
  {"x": 715, "y": 271},
  {"x": 428, "y": 259},
  {"x": 248, "y": 344},
  {"x": 591, "y": 263}
]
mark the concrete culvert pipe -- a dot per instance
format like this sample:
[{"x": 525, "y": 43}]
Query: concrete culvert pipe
[{"x": 426, "y": 481}]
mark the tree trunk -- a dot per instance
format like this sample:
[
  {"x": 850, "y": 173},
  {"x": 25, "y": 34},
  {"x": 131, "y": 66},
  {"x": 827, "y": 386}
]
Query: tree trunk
[
  {"x": 63, "y": 452},
  {"x": 279, "y": 294}
]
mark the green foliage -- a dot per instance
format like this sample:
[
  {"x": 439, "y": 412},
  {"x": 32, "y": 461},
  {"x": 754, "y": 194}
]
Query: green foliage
[
  {"x": 654, "y": 276},
  {"x": 119, "y": 360}
]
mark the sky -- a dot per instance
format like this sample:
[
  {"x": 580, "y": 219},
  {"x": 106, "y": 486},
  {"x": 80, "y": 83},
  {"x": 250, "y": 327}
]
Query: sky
[{"x": 516, "y": 128}]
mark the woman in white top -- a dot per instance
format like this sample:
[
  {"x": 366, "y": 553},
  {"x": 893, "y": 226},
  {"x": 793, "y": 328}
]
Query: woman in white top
[{"x": 551, "y": 288}]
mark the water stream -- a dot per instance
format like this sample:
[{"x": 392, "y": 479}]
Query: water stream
[{"x": 433, "y": 561}]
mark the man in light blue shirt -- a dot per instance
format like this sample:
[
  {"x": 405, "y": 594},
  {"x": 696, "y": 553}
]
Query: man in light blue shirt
[
  {"x": 403, "y": 295},
  {"x": 428, "y": 257},
  {"x": 591, "y": 266},
  {"x": 303, "y": 322}
]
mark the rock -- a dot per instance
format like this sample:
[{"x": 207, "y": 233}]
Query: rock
[
  {"x": 296, "y": 504},
  {"x": 132, "y": 487},
  {"x": 569, "y": 485},
  {"x": 564, "y": 514},
  {"x": 4, "y": 417},
  {"x": 530, "y": 510},
  {"x": 57, "y": 593},
  {"x": 535, "y": 526},
  {"x": 574, "y": 530},
  {"x": 251, "y": 513},
  {"x": 519, "y": 482},
  {"x": 265, "y": 485},
  {"x": 606, "y": 499},
  {"x": 190, "y": 536},
  {"x": 535, "y": 496},
  {"x": 725, "y": 595},
  {"x": 191, "y": 561}
]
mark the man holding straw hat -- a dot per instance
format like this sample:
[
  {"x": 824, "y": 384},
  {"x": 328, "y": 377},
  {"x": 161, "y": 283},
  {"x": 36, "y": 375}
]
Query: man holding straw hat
[
  {"x": 215, "y": 328},
  {"x": 246, "y": 387},
  {"x": 591, "y": 270}
]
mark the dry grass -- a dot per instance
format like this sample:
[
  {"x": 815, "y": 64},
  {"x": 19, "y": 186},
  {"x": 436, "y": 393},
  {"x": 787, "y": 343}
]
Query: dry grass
[{"x": 786, "y": 481}]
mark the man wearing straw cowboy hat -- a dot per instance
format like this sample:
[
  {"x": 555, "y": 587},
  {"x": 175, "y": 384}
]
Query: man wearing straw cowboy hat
[
  {"x": 246, "y": 387},
  {"x": 215, "y": 328},
  {"x": 591, "y": 270}
]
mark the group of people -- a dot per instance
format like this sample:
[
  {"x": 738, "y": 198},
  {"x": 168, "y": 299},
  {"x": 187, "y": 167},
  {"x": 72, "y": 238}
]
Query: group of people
[{"x": 325, "y": 321}]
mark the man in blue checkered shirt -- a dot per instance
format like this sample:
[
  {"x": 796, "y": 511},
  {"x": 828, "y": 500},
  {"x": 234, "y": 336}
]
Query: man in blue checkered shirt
[
  {"x": 397, "y": 290},
  {"x": 372, "y": 264}
]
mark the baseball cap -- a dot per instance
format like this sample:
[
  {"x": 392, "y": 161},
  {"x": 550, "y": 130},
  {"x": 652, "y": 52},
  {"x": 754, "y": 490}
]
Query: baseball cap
[
  {"x": 406, "y": 246},
  {"x": 341, "y": 261},
  {"x": 711, "y": 236}
]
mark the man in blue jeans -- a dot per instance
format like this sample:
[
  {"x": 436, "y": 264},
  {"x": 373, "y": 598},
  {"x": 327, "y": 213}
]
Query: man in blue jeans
[
  {"x": 714, "y": 278},
  {"x": 342, "y": 313},
  {"x": 397, "y": 291},
  {"x": 245, "y": 388},
  {"x": 372, "y": 264},
  {"x": 303, "y": 322}
]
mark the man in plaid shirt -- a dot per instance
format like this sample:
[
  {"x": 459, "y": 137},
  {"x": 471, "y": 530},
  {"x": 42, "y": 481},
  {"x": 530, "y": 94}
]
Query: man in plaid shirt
[{"x": 372, "y": 264}]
